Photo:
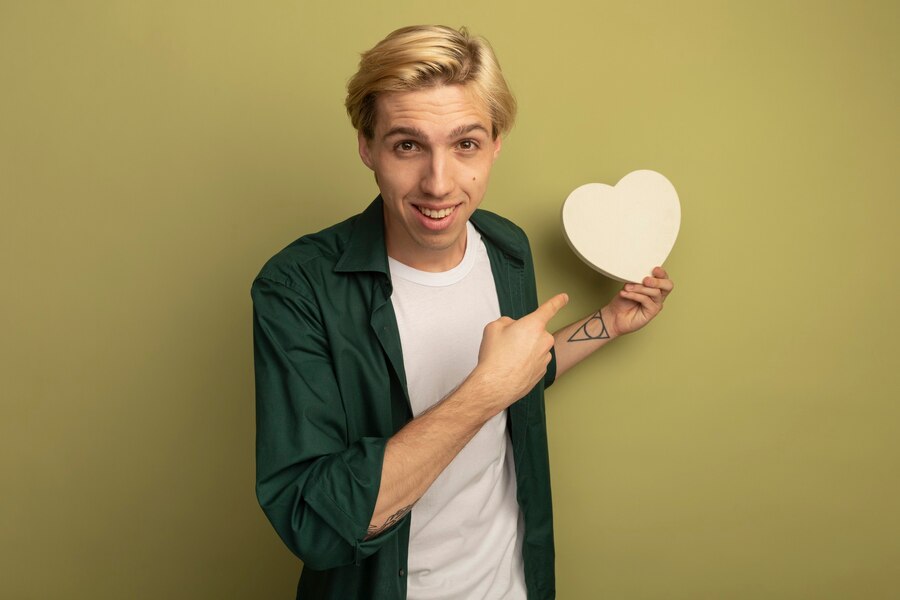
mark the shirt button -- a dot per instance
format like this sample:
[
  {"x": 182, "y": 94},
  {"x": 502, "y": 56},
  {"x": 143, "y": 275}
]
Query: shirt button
[{"x": 402, "y": 573}]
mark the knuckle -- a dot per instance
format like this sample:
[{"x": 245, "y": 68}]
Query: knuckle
[{"x": 498, "y": 324}]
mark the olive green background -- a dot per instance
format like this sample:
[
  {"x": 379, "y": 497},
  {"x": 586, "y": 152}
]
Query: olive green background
[{"x": 154, "y": 154}]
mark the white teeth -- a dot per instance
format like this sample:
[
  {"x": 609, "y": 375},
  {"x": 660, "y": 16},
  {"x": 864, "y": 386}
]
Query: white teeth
[{"x": 435, "y": 214}]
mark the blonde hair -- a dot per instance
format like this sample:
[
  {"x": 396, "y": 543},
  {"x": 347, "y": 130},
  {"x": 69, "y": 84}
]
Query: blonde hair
[{"x": 422, "y": 56}]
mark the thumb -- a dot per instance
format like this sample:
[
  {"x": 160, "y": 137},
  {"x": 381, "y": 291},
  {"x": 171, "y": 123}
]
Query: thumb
[{"x": 548, "y": 309}]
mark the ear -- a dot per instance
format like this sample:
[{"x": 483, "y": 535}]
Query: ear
[
  {"x": 364, "y": 150},
  {"x": 498, "y": 143}
]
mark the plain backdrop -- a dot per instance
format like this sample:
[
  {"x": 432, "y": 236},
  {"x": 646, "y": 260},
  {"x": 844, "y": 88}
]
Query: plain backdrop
[{"x": 154, "y": 154}]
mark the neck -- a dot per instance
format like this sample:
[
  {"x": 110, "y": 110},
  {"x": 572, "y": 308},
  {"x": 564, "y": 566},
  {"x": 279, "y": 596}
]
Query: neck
[{"x": 430, "y": 260}]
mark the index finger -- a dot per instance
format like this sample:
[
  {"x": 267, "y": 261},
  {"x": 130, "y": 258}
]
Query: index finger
[{"x": 548, "y": 309}]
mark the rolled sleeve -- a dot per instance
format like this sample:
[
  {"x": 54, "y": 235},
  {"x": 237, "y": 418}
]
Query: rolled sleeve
[
  {"x": 532, "y": 301},
  {"x": 317, "y": 487},
  {"x": 550, "y": 375}
]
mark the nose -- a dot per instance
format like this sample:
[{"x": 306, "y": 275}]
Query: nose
[{"x": 437, "y": 180}]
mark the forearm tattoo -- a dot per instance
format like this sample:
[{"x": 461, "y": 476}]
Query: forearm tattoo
[
  {"x": 592, "y": 329},
  {"x": 390, "y": 522}
]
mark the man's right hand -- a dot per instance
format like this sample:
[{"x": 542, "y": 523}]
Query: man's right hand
[
  {"x": 514, "y": 354},
  {"x": 512, "y": 358}
]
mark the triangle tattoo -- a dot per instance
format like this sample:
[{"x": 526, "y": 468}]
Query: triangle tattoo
[{"x": 592, "y": 329}]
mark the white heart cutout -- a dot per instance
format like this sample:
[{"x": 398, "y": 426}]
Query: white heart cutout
[{"x": 623, "y": 231}]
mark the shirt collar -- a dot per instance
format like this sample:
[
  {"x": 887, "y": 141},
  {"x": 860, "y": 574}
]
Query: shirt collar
[
  {"x": 366, "y": 251},
  {"x": 501, "y": 233}
]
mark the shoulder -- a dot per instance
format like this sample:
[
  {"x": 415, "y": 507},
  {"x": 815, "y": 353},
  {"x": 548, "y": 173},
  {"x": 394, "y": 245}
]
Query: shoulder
[
  {"x": 494, "y": 223},
  {"x": 501, "y": 231},
  {"x": 313, "y": 253}
]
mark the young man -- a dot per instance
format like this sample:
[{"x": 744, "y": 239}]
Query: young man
[{"x": 401, "y": 356}]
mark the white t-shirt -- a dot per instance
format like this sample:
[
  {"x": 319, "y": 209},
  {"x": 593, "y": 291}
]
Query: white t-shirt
[{"x": 466, "y": 531}]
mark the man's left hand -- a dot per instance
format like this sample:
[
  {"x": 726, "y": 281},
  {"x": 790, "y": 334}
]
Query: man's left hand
[{"x": 637, "y": 304}]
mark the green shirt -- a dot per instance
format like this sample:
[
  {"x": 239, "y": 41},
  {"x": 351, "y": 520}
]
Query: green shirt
[{"x": 331, "y": 390}]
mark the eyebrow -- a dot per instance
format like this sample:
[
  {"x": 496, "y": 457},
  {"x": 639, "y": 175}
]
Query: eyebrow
[
  {"x": 418, "y": 133},
  {"x": 410, "y": 131},
  {"x": 464, "y": 129}
]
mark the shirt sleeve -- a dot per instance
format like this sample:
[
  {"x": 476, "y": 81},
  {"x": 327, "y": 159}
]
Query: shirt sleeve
[
  {"x": 317, "y": 487},
  {"x": 550, "y": 375},
  {"x": 531, "y": 295}
]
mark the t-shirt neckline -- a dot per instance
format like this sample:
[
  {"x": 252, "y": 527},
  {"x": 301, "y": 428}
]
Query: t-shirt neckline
[{"x": 443, "y": 278}]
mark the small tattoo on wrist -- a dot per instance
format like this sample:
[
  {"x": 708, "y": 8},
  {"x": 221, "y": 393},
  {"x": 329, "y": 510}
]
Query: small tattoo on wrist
[{"x": 592, "y": 329}]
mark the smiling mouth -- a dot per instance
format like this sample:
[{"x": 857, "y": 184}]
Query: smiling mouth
[{"x": 436, "y": 214}]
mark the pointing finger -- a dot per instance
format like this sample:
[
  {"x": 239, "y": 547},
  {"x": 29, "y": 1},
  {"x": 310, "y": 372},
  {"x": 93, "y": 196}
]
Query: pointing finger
[{"x": 548, "y": 309}]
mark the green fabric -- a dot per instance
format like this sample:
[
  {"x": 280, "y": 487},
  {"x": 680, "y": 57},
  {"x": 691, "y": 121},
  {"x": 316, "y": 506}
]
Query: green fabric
[{"x": 331, "y": 390}]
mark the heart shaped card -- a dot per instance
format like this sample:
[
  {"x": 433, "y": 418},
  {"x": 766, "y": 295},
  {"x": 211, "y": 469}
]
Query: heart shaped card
[{"x": 623, "y": 231}]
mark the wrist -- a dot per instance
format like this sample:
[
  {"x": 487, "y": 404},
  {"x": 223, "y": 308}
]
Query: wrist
[
  {"x": 487, "y": 392},
  {"x": 609, "y": 321},
  {"x": 482, "y": 394}
]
